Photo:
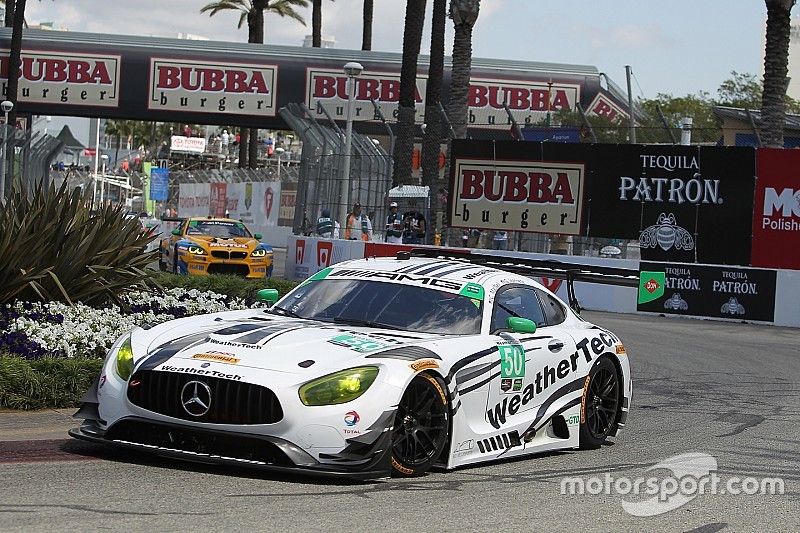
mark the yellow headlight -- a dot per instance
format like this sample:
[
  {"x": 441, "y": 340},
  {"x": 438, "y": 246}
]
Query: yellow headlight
[
  {"x": 124, "y": 364},
  {"x": 259, "y": 253},
  {"x": 196, "y": 250}
]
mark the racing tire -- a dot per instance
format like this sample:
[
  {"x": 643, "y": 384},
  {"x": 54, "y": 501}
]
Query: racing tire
[
  {"x": 175, "y": 260},
  {"x": 162, "y": 266},
  {"x": 600, "y": 404},
  {"x": 421, "y": 426}
]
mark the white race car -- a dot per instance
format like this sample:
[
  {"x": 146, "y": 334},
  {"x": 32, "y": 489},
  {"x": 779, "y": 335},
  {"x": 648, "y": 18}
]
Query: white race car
[{"x": 370, "y": 368}]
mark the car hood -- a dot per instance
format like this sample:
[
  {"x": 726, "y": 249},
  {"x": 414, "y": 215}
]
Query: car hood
[
  {"x": 270, "y": 343},
  {"x": 218, "y": 243}
]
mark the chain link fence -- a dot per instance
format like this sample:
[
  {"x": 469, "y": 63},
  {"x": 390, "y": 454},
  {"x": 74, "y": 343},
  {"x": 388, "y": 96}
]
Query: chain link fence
[{"x": 26, "y": 156}]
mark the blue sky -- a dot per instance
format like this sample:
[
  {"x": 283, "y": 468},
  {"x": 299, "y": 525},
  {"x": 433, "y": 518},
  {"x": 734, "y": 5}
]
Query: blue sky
[{"x": 676, "y": 47}]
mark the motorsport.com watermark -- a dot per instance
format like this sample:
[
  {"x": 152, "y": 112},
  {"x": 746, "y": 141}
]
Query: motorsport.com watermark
[{"x": 691, "y": 475}]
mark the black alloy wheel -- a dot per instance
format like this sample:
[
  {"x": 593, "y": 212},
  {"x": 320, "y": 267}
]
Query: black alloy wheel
[
  {"x": 600, "y": 404},
  {"x": 421, "y": 426}
]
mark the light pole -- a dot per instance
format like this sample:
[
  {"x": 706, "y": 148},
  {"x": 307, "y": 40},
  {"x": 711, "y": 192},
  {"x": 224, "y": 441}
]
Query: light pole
[
  {"x": 104, "y": 157},
  {"x": 353, "y": 70},
  {"x": 279, "y": 151},
  {"x": 7, "y": 106}
]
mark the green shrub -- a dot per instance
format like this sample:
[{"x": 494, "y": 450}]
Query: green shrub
[
  {"x": 53, "y": 248},
  {"x": 229, "y": 285},
  {"x": 50, "y": 382}
]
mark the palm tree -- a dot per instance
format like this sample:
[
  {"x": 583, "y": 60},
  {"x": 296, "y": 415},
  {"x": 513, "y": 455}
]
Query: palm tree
[
  {"x": 9, "y": 19},
  {"x": 252, "y": 11},
  {"x": 776, "y": 66},
  {"x": 432, "y": 138},
  {"x": 316, "y": 23},
  {"x": 464, "y": 14},
  {"x": 404, "y": 146},
  {"x": 14, "y": 58},
  {"x": 366, "y": 35}
]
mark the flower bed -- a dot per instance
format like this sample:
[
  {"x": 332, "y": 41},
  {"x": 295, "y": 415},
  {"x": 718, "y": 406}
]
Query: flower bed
[{"x": 37, "y": 330}]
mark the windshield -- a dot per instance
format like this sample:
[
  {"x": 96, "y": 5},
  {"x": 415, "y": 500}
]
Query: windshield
[
  {"x": 386, "y": 304},
  {"x": 217, "y": 228}
]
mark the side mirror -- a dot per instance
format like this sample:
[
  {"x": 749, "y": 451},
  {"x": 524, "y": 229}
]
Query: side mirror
[
  {"x": 269, "y": 296},
  {"x": 176, "y": 232},
  {"x": 257, "y": 236},
  {"x": 521, "y": 325}
]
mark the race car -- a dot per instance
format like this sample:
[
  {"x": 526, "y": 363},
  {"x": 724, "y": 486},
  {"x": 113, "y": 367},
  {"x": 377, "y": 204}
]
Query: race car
[
  {"x": 200, "y": 246},
  {"x": 370, "y": 368}
]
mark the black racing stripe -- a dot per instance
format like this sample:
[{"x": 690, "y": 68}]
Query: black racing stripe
[
  {"x": 456, "y": 408},
  {"x": 466, "y": 376},
  {"x": 432, "y": 269},
  {"x": 259, "y": 335},
  {"x": 478, "y": 385},
  {"x": 526, "y": 339},
  {"x": 572, "y": 386},
  {"x": 412, "y": 268},
  {"x": 467, "y": 360},
  {"x": 452, "y": 270},
  {"x": 532, "y": 349},
  {"x": 408, "y": 353},
  {"x": 167, "y": 350},
  {"x": 568, "y": 405},
  {"x": 238, "y": 328}
]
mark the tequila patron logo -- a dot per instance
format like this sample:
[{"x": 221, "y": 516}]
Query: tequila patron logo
[
  {"x": 62, "y": 78},
  {"x": 518, "y": 195},
  {"x": 203, "y": 86},
  {"x": 672, "y": 189}
]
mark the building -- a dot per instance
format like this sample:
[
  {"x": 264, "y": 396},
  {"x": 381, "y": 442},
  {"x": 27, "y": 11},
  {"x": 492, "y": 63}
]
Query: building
[{"x": 739, "y": 130}]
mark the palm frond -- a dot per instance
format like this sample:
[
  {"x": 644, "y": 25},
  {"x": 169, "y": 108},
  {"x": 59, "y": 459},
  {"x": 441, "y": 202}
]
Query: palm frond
[
  {"x": 286, "y": 8},
  {"x": 225, "y": 5}
]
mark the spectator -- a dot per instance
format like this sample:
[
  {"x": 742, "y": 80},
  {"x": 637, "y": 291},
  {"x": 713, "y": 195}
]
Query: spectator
[
  {"x": 326, "y": 226},
  {"x": 187, "y": 131},
  {"x": 414, "y": 231},
  {"x": 357, "y": 225},
  {"x": 559, "y": 244},
  {"x": 500, "y": 240},
  {"x": 225, "y": 140},
  {"x": 394, "y": 225}
]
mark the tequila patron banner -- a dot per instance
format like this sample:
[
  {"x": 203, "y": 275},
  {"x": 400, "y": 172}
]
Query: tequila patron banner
[{"x": 711, "y": 291}]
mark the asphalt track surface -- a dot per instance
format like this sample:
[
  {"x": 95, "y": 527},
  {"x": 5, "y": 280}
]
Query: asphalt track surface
[{"x": 728, "y": 390}]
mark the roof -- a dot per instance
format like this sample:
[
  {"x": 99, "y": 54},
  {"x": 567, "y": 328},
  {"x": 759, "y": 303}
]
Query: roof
[
  {"x": 409, "y": 191},
  {"x": 423, "y": 266},
  {"x": 791, "y": 122},
  {"x": 69, "y": 140}
]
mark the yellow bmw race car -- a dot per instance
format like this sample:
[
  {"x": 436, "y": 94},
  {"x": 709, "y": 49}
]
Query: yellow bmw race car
[{"x": 200, "y": 246}]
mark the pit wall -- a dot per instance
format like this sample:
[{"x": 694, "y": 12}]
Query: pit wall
[{"x": 307, "y": 255}]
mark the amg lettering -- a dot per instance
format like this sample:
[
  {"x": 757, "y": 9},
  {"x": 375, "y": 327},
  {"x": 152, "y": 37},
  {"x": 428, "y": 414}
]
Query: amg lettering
[{"x": 396, "y": 276}]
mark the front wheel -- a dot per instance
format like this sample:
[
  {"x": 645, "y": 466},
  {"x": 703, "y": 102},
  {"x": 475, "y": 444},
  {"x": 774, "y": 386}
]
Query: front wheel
[
  {"x": 600, "y": 404},
  {"x": 421, "y": 426}
]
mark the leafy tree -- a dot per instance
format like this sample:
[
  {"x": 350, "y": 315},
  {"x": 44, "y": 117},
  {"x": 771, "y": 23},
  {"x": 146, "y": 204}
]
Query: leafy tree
[
  {"x": 746, "y": 91},
  {"x": 776, "y": 66},
  {"x": 404, "y": 146}
]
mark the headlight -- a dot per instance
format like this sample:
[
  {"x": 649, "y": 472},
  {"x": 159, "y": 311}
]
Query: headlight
[
  {"x": 259, "y": 253},
  {"x": 341, "y": 387},
  {"x": 124, "y": 364},
  {"x": 196, "y": 250}
]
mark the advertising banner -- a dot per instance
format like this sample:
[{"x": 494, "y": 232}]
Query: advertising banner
[
  {"x": 710, "y": 291},
  {"x": 329, "y": 87},
  {"x": 192, "y": 145},
  {"x": 159, "y": 184},
  {"x": 218, "y": 199},
  {"x": 306, "y": 256},
  {"x": 63, "y": 78},
  {"x": 212, "y": 87},
  {"x": 776, "y": 209},
  {"x": 684, "y": 203},
  {"x": 254, "y": 203},
  {"x": 194, "y": 200},
  {"x": 604, "y": 106},
  {"x": 288, "y": 196}
]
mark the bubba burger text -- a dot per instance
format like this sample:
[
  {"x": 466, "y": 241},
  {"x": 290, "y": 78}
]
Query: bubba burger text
[{"x": 514, "y": 195}]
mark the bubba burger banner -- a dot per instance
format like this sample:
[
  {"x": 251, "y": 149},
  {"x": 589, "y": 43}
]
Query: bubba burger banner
[
  {"x": 65, "y": 78},
  {"x": 713, "y": 291},
  {"x": 776, "y": 209},
  {"x": 211, "y": 87},
  {"x": 520, "y": 186}
]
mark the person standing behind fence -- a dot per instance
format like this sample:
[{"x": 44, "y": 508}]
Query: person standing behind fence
[
  {"x": 394, "y": 225},
  {"x": 225, "y": 139},
  {"x": 357, "y": 225},
  {"x": 414, "y": 232},
  {"x": 326, "y": 226}
]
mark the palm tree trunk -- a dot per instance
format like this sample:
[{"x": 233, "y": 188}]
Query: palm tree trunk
[
  {"x": 316, "y": 24},
  {"x": 252, "y": 149},
  {"x": 14, "y": 59},
  {"x": 432, "y": 139},
  {"x": 776, "y": 63},
  {"x": 255, "y": 25},
  {"x": 243, "y": 148},
  {"x": 404, "y": 146},
  {"x": 9, "y": 20},
  {"x": 366, "y": 35},
  {"x": 459, "y": 80}
]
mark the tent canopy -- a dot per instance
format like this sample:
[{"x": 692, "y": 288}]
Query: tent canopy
[{"x": 69, "y": 140}]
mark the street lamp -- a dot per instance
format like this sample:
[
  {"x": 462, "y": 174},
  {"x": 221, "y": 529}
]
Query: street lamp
[
  {"x": 104, "y": 157},
  {"x": 7, "y": 106},
  {"x": 279, "y": 151},
  {"x": 353, "y": 70}
]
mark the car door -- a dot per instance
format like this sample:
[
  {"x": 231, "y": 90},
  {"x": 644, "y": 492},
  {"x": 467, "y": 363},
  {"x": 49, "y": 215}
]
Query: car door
[{"x": 532, "y": 365}]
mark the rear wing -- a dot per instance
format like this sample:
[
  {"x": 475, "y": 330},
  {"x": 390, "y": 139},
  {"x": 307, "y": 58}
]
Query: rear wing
[
  {"x": 173, "y": 219},
  {"x": 570, "y": 272}
]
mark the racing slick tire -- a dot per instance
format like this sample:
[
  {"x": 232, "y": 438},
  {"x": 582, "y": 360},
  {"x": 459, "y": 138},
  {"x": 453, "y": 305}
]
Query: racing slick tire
[
  {"x": 421, "y": 426},
  {"x": 600, "y": 404}
]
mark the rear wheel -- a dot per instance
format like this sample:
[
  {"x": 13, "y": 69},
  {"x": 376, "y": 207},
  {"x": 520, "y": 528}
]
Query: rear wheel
[
  {"x": 421, "y": 426},
  {"x": 600, "y": 404}
]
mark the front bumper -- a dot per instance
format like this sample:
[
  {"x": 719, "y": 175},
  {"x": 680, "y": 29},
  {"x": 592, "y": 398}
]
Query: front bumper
[
  {"x": 253, "y": 268},
  {"x": 237, "y": 449}
]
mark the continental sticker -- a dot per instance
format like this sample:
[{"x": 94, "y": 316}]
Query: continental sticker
[
  {"x": 425, "y": 364},
  {"x": 621, "y": 349},
  {"x": 219, "y": 357}
]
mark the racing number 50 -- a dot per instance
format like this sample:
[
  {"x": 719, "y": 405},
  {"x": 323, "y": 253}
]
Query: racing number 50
[{"x": 512, "y": 361}]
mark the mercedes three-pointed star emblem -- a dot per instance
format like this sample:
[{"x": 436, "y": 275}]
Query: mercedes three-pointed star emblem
[{"x": 196, "y": 398}]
